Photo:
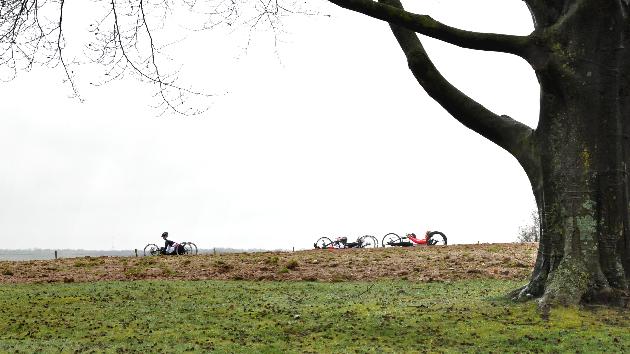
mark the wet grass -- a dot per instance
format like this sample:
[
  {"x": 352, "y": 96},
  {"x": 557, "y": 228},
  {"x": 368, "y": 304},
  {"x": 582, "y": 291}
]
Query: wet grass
[{"x": 247, "y": 316}]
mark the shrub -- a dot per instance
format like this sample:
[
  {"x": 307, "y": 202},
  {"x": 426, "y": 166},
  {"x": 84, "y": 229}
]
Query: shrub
[
  {"x": 166, "y": 270},
  {"x": 292, "y": 264},
  {"x": 531, "y": 231},
  {"x": 272, "y": 260},
  {"x": 283, "y": 270}
]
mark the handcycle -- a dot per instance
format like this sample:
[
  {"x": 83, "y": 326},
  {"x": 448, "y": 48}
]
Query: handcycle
[
  {"x": 431, "y": 238},
  {"x": 184, "y": 248},
  {"x": 366, "y": 241}
]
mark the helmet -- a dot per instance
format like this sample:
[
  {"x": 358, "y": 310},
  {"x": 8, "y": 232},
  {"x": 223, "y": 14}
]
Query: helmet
[{"x": 164, "y": 234}]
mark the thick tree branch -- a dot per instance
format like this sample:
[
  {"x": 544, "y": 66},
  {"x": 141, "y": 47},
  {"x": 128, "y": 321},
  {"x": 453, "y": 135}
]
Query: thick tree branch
[
  {"x": 426, "y": 25},
  {"x": 511, "y": 135}
]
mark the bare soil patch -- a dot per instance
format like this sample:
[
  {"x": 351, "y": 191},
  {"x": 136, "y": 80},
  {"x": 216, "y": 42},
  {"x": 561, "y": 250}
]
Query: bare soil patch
[{"x": 422, "y": 264}]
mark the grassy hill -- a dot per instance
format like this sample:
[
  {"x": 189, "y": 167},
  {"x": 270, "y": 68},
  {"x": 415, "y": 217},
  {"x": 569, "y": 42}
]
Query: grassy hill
[
  {"x": 420, "y": 264},
  {"x": 448, "y": 299}
]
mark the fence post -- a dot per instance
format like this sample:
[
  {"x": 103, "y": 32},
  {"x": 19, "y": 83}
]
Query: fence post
[
  {"x": 214, "y": 251},
  {"x": 293, "y": 248},
  {"x": 55, "y": 254},
  {"x": 136, "y": 250}
]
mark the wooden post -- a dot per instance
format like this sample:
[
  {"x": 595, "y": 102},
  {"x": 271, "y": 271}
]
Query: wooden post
[
  {"x": 293, "y": 248},
  {"x": 136, "y": 250},
  {"x": 214, "y": 251},
  {"x": 55, "y": 254}
]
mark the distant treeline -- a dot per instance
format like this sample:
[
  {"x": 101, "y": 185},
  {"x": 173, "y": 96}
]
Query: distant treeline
[{"x": 41, "y": 254}]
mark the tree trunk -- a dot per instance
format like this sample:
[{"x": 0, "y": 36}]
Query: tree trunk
[
  {"x": 583, "y": 145},
  {"x": 578, "y": 157}
]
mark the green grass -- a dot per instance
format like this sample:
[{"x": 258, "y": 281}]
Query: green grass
[{"x": 271, "y": 317}]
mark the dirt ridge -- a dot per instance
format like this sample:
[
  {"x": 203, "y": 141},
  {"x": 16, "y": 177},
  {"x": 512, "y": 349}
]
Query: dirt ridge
[{"x": 422, "y": 264}]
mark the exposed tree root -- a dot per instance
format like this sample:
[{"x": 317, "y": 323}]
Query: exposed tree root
[
  {"x": 572, "y": 283},
  {"x": 609, "y": 297},
  {"x": 567, "y": 284}
]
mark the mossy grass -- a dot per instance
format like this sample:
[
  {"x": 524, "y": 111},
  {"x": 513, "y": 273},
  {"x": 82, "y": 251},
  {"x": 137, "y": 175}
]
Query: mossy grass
[{"x": 248, "y": 316}]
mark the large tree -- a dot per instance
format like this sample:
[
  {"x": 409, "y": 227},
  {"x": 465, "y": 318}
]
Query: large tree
[{"x": 576, "y": 159}]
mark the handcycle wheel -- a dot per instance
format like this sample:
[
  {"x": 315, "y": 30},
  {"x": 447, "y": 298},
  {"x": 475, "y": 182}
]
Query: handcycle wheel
[
  {"x": 323, "y": 242},
  {"x": 189, "y": 248},
  {"x": 193, "y": 247},
  {"x": 151, "y": 250},
  {"x": 389, "y": 239},
  {"x": 436, "y": 238},
  {"x": 368, "y": 241}
]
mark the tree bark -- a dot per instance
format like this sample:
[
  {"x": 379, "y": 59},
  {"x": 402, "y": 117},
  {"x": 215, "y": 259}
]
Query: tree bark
[{"x": 583, "y": 143}]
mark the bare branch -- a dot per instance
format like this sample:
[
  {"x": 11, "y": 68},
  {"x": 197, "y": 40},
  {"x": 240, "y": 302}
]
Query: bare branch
[
  {"x": 127, "y": 38},
  {"x": 129, "y": 47},
  {"x": 60, "y": 52}
]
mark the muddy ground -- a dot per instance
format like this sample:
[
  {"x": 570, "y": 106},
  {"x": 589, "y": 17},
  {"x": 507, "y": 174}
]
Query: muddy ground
[{"x": 423, "y": 264}]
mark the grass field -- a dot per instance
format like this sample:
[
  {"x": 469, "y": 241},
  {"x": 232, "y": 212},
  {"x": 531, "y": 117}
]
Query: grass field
[{"x": 296, "y": 316}]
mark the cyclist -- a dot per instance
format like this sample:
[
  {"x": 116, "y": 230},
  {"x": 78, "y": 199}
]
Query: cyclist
[
  {"x": 171, "y": 247},
  {"x": 412, "y": 237}
]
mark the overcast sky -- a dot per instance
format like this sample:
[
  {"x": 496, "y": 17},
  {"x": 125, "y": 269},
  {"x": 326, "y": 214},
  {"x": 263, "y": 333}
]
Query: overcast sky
[{"x": 330, "y": 136}]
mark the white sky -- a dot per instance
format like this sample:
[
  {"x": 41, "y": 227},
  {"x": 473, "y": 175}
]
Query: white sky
[{"x": 334, "y": 139}]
